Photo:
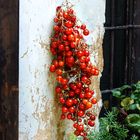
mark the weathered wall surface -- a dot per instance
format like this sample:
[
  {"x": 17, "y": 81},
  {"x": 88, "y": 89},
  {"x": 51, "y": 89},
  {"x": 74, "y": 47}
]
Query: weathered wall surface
[{"x": 38, "y": 108}]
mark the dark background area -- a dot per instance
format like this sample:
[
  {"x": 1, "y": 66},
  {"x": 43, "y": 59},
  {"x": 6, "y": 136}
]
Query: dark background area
[
  {"x": 121, "y": 44},
  {"x": 121, "y": 47},
  {"x": 121, "y": 56},
  {"x": 9, "y": 69}
]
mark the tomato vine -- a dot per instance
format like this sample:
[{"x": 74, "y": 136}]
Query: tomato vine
[{"x": 73, "y": 69}]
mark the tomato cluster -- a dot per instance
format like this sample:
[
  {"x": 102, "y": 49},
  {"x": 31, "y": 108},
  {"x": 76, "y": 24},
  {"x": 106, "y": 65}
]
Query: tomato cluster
[{"x": 73, "y": 70}]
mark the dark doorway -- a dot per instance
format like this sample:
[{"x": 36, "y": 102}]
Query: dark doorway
[{"x": 121, "y": 45}]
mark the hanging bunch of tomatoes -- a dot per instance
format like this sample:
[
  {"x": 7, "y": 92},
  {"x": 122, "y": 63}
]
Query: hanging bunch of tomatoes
[{"x": 73, "y": 70}]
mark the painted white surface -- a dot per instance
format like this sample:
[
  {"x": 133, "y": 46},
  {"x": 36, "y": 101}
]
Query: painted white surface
[{"x": 36, "y": 19}]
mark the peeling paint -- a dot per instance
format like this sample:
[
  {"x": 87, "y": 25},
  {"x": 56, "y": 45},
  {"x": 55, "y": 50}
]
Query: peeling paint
[{"x": 24, "y": 54}]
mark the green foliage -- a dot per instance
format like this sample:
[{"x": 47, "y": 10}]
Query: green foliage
[
  {"x": 127, "y": 103},
  {"x": 118, "y": 93},
  {"x": 110, "y": 129},
  {"x": 134, "y": 137},
  {"x": 129, "y": 100},
  {"x": 133, "y": 122},
  {"x": 129, "y": 96},
  {"x": 123, "y": 122}
]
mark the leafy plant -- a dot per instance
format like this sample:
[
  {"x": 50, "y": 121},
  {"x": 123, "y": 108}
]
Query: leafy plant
[
  {"x": 110, "y": 128},
  {"x": 129, "y": 101},
  {"x": 129, "y": 96},
  {"x": 133, "y": 122},
  {"x": 134, "y": 137},
  {"x": 123, "y": 122}
]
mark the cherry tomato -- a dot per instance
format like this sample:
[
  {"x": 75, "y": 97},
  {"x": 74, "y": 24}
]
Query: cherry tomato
[
  {"x": 69, "y": 31},
  {"x": 71, "y": 37},
  {"x": 86, "y": 32},
  {"x": 94, "y": 100},
  {"x": 69, "y": 102},
  {"x": 69, "y": 24},
  {"x": 83, "y": 26},
  {"x": 52, "y": 68},
  {"x": 64, "y": 109}
]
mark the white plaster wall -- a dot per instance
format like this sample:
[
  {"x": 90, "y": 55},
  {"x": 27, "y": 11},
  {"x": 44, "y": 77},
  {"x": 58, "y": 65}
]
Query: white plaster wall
[{"x": 35, "y": 82}]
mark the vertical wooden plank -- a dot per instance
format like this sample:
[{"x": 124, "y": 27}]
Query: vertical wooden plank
[
  {"x": 112, "y": 44},
  {"x": 8, "y": 69},
  {"x": 136, "y": 53}
]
